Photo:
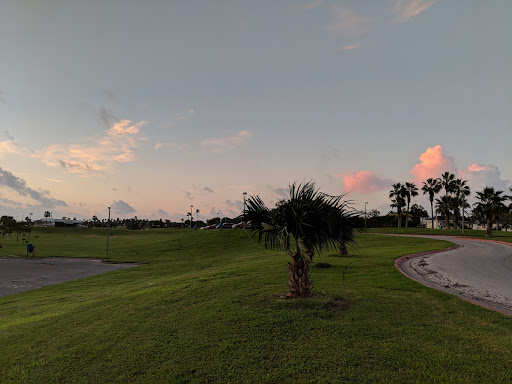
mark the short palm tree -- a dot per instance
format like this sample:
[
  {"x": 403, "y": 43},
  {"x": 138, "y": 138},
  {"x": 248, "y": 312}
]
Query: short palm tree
[
  {"x": 490, "y": 206},
  {"x": 397, "y": 196},
  {"x": 431, "y": 186},
  {"x": 410, "y": 191},
  {"x": 305, "y": 223}
]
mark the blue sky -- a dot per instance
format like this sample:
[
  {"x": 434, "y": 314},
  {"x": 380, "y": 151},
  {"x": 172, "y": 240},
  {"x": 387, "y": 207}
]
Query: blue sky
[{"x": 150, "y": 107}]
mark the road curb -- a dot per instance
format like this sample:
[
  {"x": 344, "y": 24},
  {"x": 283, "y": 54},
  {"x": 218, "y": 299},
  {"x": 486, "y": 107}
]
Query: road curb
[{"x": 400, "y": 260}]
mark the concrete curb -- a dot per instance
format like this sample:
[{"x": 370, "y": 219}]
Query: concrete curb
[{"x": 400, "y": 260}]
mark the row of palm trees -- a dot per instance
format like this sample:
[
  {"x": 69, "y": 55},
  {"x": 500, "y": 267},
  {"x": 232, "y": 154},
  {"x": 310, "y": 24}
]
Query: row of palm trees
[{"x": 489, "y": 208}]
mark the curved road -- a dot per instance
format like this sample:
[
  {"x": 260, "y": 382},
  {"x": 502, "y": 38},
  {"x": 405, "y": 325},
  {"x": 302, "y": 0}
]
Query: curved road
[{"x": 477, "y": 271}]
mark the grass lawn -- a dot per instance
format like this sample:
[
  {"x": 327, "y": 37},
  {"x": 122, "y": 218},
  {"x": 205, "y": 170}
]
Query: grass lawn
[{"x": 206, "y": 307}]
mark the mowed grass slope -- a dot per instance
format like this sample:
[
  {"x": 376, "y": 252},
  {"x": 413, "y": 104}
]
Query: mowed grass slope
[{"x": 206, "y": 306}]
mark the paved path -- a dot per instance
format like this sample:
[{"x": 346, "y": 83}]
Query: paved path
[
  {"x": 478, "y": 271},
  {"x": 18, "y": 275}
]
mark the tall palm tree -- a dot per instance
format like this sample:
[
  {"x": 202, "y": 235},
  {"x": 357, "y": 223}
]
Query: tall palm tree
[
  {"x": 448, "y": 182},
  {"x": 305, "y": 223},
  {"x": 410, "y": 191},
  {"x": 490, "y": 206},
  {"x": 461, "y": 190},
  {"x": 397, "y": 196},
  {"x": 444, "y": 205},
  {"x": 431, "y": 186}
]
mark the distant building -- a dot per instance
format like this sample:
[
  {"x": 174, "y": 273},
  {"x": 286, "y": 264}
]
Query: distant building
[
  {"x": 67, "y": 223},
  {"x": 440, "y": 222}
]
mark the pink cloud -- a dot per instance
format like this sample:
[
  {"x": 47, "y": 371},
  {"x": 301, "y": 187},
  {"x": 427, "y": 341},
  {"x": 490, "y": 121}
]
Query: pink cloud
[
  {"x": 433, "y": 163},
  {"x": 364, "y": 182},
  {"x": 406, "y": 10}
]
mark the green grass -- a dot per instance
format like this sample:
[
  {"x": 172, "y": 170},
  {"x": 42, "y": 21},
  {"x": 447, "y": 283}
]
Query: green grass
[{"x": 206, "y": 307}]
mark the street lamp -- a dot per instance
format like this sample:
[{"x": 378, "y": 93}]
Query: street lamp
[
  {"x": 365, "y": 214},
  {"x": 245, "y": 195},
  {"x": 108, "y": 229}
]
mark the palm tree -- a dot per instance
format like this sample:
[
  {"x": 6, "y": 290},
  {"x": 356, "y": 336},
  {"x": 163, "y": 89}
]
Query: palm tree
[
  {"x": 410, "y": 191},
  {"x": 461, "y": 191},
  {"x": 490, "y": 206},
  {"x": 397, "y": 196},
  {"x": 305, "y": 223},
  {"x": 444, "y": 205},
  {"x": 447, "y": 181},
  {"x": 197, "y": 215},
  {"x": 431, "y": 186}
]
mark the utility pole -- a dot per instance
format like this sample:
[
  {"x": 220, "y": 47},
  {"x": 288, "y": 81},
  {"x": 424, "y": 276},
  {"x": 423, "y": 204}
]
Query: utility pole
[
  {"x": 365, "y": 214},
  {"x": 108, "y": 229}
]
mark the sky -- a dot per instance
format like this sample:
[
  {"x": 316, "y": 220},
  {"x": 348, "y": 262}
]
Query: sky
[{"x": 153, "y": 107}]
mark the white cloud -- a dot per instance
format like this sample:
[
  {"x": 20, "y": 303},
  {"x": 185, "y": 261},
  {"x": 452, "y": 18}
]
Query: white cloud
[
  {"x": 406, "y": 10},
  {"x": 122, "y": 208},
  {"x": 222, "y": 144},
  {"x": 480, "y": 176}
]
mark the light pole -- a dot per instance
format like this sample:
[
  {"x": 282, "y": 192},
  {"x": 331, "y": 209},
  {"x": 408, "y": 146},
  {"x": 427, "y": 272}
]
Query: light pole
[
  {"x": 108, "y": 229},
  {"x": 245, "y": 195},
  {"x": 191, "y": 215},
  {"x": 365, "y": 214}
]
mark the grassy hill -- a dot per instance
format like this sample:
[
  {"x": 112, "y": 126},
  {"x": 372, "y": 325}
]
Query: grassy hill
[{"x": 207, "y": 306}]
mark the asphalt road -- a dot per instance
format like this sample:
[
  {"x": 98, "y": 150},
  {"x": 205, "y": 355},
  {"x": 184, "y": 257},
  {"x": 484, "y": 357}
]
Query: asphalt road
[
  {"x": 21, "y": 274},
  {"x": 478, "y": 271}
]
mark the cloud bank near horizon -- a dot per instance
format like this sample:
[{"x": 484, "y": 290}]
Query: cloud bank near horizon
[
  {"x": 18, "y": 185},
  {"x": 433, "y": 163}
]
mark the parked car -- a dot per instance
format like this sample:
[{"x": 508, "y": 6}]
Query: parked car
[
  {"x": 227, "y": 225},
  {"x": 250, "y": 225}
]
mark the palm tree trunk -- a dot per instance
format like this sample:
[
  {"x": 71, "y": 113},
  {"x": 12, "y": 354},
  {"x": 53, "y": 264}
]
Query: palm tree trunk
[
  {"x": 488, "y": 232},
  {"x": 432, "y": 212},
  {"x": 299, "y": 284},
  {"x": 407, "y": 215}
]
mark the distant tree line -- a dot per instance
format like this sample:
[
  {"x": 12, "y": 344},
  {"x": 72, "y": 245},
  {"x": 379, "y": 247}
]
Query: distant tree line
[
  {"x": 489, "y": 209},
  {"x": 9, "y": 226}
]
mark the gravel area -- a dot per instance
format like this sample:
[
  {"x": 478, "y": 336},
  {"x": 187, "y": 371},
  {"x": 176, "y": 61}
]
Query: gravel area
[{"x": 23, "y": 274}]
